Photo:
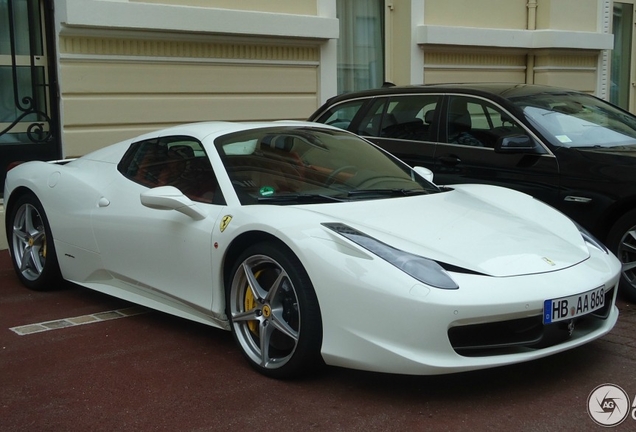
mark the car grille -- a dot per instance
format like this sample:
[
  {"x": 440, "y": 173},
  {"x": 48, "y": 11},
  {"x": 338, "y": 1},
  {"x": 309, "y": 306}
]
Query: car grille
[{"x": 518, "y": 335}]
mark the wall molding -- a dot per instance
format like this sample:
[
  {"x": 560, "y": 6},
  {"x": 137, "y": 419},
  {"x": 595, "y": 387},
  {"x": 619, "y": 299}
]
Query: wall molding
[
  {"x": 77, "y": 47},
  {"x": 510, "y": 38},
  {"x": 123, "y": 15}
]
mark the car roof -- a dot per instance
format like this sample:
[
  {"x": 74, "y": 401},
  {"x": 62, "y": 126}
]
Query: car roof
[
  {"x": 503, "y": 90},
  {"x": 201, "y": 130}
]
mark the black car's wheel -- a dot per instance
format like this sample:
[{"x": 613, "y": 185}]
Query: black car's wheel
[
  {"x": 31, "y": 245},
  {"x": 622, "y": 241},
  {"x": 274, "y": 312}
]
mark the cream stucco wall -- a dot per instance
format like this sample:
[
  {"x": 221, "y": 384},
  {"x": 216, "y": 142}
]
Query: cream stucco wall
[
  {"x": 509, "y": 14},
  {"x": 575, "y": 15},
  {"x": 127, "y": 67},
  {"x": 116, "y": 88},
  {"x": 556, "y": 42}
]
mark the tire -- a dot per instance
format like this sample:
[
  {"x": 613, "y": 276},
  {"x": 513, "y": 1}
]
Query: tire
[
  {"x": 31, "y": 245},
  {"x": 274, "y": 312},
  {"x": 622, "y": 241}
]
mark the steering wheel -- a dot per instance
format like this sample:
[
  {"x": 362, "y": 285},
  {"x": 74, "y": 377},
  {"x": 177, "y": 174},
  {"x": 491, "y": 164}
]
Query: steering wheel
[{"x": 331, "y": 178}]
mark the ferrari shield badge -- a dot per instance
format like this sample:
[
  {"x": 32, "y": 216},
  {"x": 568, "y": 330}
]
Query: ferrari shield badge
[{"x": 225, "y": 222}]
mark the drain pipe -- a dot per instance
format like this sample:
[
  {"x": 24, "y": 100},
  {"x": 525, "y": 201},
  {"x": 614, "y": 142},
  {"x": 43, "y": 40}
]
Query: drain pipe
[{"x": 532, "y": 25}]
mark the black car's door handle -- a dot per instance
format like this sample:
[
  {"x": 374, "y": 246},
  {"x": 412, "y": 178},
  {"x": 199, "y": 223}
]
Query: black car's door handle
[{"x": 450, "y": 160}]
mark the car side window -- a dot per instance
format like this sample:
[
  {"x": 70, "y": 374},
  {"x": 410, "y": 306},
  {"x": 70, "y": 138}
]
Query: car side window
[
  {"x": 478, "y": 123},
  {"x": 371, "y": 123},
  {"x": 341, "y": 115},
  {"x": 408, "y": 117},
  {"x": 172, "y": 161}
]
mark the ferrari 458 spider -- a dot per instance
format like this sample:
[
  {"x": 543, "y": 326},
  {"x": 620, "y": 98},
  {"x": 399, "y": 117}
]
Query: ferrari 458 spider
[{"x": 313, "y": 246}]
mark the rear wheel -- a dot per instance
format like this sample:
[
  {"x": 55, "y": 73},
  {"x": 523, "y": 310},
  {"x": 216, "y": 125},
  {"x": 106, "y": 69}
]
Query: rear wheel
[
  {"x": 622, "y": 241},
  {"x": 31, "y": 245},
  {"x": 274, "y": 312}
]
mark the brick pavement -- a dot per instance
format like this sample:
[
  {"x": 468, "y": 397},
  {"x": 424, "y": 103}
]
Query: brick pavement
[{"x": 154, "y": 372}]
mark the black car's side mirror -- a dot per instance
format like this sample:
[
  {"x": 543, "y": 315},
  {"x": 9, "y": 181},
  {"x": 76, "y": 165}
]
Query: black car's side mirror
[{"x": 514, "y": 144}]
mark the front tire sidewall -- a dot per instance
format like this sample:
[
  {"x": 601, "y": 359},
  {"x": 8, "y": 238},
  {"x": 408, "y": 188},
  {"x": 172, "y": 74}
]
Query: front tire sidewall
[
  {"x": 49, "y": 278},
  {"x": 306, "y": 357}
]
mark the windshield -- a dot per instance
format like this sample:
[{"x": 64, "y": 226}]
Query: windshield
[
  {"x": 578, "y": 120},
  {"x": 300, "y": 165}
]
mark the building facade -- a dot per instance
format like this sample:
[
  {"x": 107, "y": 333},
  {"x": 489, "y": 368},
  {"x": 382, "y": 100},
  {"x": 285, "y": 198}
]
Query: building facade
[{"x": 76, "y": 75}]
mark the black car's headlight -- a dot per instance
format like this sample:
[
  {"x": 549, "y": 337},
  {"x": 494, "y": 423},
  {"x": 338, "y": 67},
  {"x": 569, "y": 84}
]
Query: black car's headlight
[
  {"x": 420, "y": 268},
  {"x": 591, "y": 240}
]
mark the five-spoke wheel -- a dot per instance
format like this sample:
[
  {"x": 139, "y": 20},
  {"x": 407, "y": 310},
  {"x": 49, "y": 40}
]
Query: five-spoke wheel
[
  {"x": 274, "y": 312},
  {"x": 32, "y": 250},
  {"x": 622, "y": 241}
]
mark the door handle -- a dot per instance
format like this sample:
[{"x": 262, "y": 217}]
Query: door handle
[{"x": 450, "y": 160}]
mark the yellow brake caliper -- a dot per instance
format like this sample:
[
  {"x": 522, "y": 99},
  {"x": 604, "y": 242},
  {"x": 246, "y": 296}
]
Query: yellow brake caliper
[{"x": 250, "y": 303}]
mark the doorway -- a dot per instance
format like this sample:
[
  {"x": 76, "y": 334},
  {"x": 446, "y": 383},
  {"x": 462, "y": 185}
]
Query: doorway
[
  {"x": 29, "y": 119},
  {"x": 622, "y": 81}
]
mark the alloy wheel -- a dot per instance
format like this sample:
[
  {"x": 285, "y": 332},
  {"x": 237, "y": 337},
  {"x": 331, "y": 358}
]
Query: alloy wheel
[
  {"x": 29, "y": 242},
  {"x": 627, "y": 255},
  {"x": 265, "y": 312}
]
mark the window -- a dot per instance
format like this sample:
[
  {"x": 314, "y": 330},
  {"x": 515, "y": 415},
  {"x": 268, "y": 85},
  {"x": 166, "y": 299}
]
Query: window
[
  {"x": 341, "y": 115},
  {"x": 620, "y": 79},
  {"x": 361, "y": 44},
  {"x": 478, "y": 123},
  {"x": 577, "y": 120},
  {"x": 409, "y": 117},
  {"x": 24, "y": 108},
  {"x": 172, "y": 161},
  {"x": 281, "y": 165}
]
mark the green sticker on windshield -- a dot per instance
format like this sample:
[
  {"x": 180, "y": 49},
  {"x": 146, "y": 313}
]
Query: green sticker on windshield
[{"x": 266, "y": 191}]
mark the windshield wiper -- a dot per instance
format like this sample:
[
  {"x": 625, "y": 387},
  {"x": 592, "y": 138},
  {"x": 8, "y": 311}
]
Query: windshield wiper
[
  {"x": 298, "y": 198},
  {"x": 386, "y": 192}
]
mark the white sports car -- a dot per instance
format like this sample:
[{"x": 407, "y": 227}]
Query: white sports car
[{"x": 313, "y": 246}]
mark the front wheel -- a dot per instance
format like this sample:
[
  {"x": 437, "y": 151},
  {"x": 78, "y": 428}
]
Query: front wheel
[
  {"x": 274, "y": 312},
  {"x": 622, "y": 241},
  {"x": 31, "y": 245}
]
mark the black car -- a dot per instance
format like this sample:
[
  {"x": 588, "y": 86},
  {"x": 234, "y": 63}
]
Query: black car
[{"x": 572, "y": 150}]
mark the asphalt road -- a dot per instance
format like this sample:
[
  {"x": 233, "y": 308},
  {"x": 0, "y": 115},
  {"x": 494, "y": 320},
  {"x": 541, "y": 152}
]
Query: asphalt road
[{"x": 136, "y": 370}]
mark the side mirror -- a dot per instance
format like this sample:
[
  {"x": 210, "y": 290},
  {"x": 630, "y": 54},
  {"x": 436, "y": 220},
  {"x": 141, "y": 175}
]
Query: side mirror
[
  {"x": 171, "y": 198},
  {"x": 514, "y": 144},
  {"x": 424, "y": 172}
]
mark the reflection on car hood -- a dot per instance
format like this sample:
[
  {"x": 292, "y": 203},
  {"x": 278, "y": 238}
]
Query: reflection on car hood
[{"x": 490, "y": 230}]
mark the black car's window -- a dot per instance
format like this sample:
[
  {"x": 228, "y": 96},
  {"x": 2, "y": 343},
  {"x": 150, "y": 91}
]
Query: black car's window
[
  {"x": 341, "y": 115},
  {"x": 478, "y": 123},
  {"x": 172, "y": 161},
  {"x": 371, "y": 123},
  {"x": 409, "y": 117}
]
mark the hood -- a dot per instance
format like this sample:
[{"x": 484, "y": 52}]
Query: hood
[
  {"x": 626, "y": 154},
  {"x": 485, "y": 229},
  {"x": 613, "y": 165}
]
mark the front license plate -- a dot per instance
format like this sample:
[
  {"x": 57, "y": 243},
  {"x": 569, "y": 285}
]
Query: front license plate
[{"x": 565, "y": 308}]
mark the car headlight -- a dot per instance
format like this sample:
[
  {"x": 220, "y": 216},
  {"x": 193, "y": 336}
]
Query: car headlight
[
  {"x": 420, "y": 268},
  {"x": 591, "y": 240}
]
